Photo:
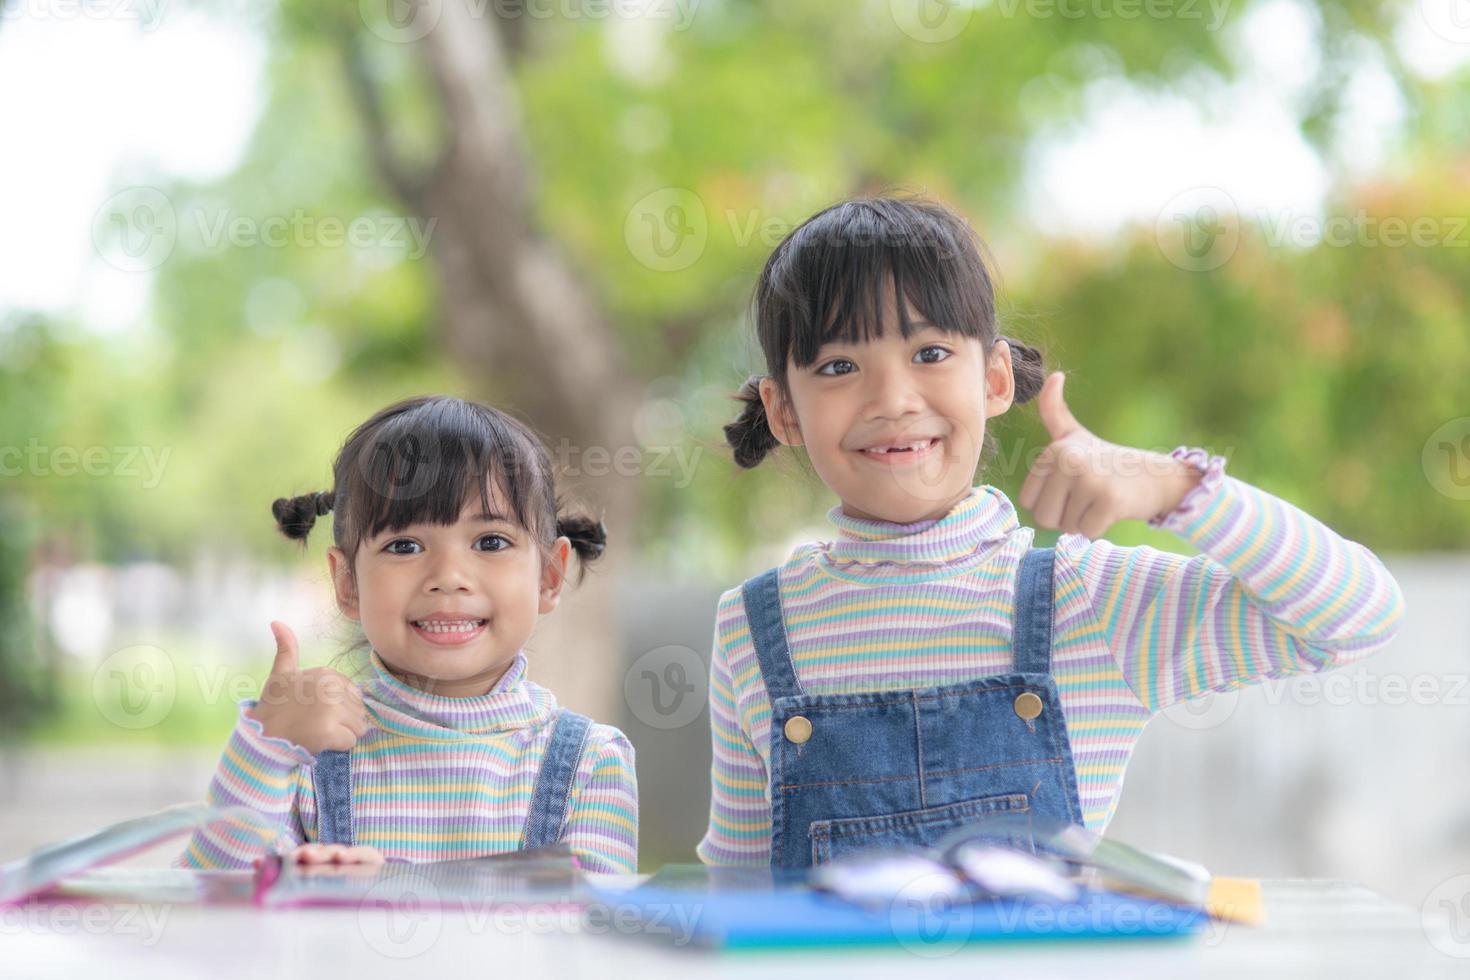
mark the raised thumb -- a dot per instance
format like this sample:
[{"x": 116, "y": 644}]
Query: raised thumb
[
  {"x": 1055, "y": 414},
  {"x": 286, "y": 650}
]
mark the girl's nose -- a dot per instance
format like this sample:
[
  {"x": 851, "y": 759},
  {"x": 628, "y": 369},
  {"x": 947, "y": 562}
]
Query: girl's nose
[
  {"x": 447, "y": 575},
  {"x": 892, "y": 393}
]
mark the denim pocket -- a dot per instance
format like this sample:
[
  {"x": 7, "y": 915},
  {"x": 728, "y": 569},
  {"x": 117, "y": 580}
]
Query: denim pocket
[{"x": 914, "y": 828}]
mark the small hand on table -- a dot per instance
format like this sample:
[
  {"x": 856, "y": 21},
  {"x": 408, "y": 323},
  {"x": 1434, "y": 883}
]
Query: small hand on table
[
  {"x": 337, "y": 854},
  {"x": 333, "y": 858}
]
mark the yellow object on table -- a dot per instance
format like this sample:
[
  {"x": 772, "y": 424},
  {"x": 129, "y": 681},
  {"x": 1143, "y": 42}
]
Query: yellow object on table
[{"x": 1237, "y": 900}]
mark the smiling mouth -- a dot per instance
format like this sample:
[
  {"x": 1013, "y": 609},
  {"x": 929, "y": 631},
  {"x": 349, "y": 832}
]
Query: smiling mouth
[
  {"x": 449, "y": 627},
  {"x": 901, "y": 449}
]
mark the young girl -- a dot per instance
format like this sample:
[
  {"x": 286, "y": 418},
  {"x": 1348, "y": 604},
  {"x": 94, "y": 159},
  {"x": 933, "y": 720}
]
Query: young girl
[
  {"x": 448, "y": 545},
  {"x": 928, "y": 665}
]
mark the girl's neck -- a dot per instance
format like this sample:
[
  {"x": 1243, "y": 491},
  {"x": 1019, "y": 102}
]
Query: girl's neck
[
  {"x": 475, "y": 686},
  {"x": 932, "y": 515},
  {"x": 440, "y": 708}
]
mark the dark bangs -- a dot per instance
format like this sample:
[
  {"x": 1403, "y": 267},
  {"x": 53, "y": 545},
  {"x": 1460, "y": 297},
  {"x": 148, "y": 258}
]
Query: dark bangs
[
  {"x": 424, "y": 460},
  {"x": 835, "y": 277}
]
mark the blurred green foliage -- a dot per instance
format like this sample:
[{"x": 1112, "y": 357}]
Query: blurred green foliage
[{"x": 28, "y": 690}]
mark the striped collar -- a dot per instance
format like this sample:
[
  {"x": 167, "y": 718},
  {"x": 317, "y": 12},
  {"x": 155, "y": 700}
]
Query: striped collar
[
  {"x": 986, "y": 515},
  {"x": 514, "y": 702}
]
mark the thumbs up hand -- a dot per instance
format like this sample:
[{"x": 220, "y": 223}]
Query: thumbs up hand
[
  {"x": 1081, "y": 484},
  {"x": 319, "y": 708}
]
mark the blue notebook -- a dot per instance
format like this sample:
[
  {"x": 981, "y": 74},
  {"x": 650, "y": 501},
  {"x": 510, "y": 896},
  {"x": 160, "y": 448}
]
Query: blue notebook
[{"x": 733, "y": 909}]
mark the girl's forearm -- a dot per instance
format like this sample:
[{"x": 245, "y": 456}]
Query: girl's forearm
[{"x": 257, "y": 772}]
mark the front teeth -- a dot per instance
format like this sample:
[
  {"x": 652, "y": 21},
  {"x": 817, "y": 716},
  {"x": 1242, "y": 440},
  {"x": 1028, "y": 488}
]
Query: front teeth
[
  {"x": 458, "y": 626},
  {"x": 911, "y": 447}
]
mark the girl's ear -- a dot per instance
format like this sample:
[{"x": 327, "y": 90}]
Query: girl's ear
[
  {"x": 554, "y": 573},
  {"x": 342, "y": 582},
  {"x": 779, "y": 415},
  {"x": 1000, "y": 381}
]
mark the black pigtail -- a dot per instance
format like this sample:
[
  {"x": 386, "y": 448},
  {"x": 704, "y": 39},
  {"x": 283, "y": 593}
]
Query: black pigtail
[
  {"x": 295, "y": 516},
  {"x": 750, "y": 435},
  {"x": 588, "y": 536},
  {"x": 1027, "y": 369}
]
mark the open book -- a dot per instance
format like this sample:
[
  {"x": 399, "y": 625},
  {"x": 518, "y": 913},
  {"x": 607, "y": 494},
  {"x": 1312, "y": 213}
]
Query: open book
[
  {"x": 543, "y": 876},
  {"x": 72, "y": 867}
]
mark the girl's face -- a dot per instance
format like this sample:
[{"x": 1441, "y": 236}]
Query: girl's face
[
  {"x": 448, "y": 607},
  {"x": 894, "y": 426}
]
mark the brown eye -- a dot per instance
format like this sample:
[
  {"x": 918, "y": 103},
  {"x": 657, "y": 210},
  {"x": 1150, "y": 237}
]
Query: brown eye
[
  {"x": 942, "y": 353},
  {"x": 847, "y": 367},
  {"x": 503, "y": 542}
]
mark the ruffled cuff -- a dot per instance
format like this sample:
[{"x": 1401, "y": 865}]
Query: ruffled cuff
[
  {"x": 1193, "y": 502},
  {"x": 283, "y": 750}
]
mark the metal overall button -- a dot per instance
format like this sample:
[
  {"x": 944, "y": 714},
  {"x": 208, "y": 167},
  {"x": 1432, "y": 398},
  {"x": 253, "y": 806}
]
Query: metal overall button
[
  {"x": 1027, "y": 705},
  {"x": 798, "y": 729}
]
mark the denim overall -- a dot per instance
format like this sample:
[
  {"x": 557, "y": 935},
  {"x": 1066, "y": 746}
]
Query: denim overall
[
  {"x": 332, "y": 780},
  {"x": 902, "y": 768}
]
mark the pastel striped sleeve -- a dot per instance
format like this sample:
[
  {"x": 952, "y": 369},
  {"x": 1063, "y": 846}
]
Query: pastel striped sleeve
[
  {"x": 1273, "y": 592},
  {"x": 739, "y": 831},
  {"x": 256, "y": 771},
  {"x": 602, "y": 822}
]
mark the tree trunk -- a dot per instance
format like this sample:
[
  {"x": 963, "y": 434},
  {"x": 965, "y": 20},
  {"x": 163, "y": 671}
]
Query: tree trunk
[{"x": 525, "y": 330}]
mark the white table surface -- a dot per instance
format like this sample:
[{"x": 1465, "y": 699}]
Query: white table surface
[{"x": 1314, "y": 928}]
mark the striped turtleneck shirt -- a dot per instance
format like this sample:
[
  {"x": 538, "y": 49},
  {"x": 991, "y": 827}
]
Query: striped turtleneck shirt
[
  {"x": 887, "y": 607},
  {"x": 434, "y": 778}
]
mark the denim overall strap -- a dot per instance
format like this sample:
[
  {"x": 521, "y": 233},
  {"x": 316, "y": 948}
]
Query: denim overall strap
[
  {"x": 331, "y": 777},
  {"x": 554, "y": 782},
  {"x": 1031, "y": 626},
  {"x": 767, "y": 631}
]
